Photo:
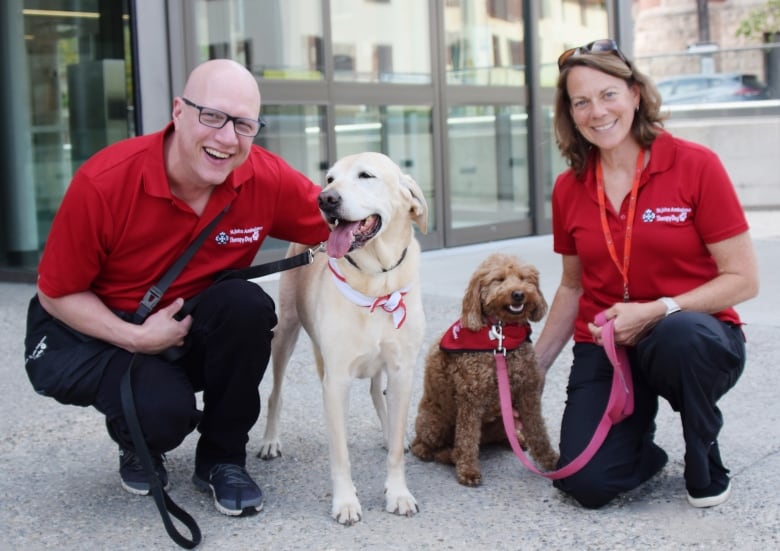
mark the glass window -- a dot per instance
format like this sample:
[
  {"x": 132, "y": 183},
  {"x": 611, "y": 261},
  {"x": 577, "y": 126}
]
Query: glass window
[
  {"x": 381, "y": 41},
  {"x": 72, "y": 98},
  {"x": 554, "y": 163},
  {"x": 484, "y": 41},
  {"x": 298, "y": 134},
  {"x": 273, "y": 39},
  {"x": 565, "y": 25},
  {"x": 402, "y": 132},
  {"x": 488, "y": 165}
]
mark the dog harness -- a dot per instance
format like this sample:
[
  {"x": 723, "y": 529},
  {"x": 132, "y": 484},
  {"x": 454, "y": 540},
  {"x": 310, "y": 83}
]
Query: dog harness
[
  {"x": 392, "y": 303},
  {"x": 461, "y": 339}
]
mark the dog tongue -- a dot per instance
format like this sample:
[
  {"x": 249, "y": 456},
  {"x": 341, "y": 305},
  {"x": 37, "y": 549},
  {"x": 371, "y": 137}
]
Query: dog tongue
[{"x": 341, "y": 238}]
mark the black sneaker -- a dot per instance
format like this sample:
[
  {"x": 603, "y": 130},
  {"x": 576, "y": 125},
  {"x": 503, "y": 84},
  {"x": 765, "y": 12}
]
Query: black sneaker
[
  {"x": 719, "y": 489},
  {"x": 714, "y": 494},
  {"x": 234, "y": 491},
  {"x": 134, "y": 478}
]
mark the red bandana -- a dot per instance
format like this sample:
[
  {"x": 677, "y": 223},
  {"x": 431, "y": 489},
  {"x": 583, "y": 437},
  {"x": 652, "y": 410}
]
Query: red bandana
[{"x": 459, "y": 339}]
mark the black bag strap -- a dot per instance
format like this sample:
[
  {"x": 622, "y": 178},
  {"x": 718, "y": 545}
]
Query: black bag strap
[
  {"x": 164, "y": 503},
  {"x": 155, "y": 293}
]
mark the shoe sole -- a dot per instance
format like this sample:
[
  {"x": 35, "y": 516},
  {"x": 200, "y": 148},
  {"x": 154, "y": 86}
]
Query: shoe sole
[
  {"x": 710, "y": 501},
  {"x": 204, "y": 486},
  {"x": 140, "y": 491}
]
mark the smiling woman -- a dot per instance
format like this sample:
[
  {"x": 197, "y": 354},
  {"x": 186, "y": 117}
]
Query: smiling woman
[{"x": 653, "y": 239}]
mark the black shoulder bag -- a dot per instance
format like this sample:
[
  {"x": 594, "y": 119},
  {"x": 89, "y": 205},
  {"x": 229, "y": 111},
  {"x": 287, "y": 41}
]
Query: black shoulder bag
[{"x": 164, "y": 503}]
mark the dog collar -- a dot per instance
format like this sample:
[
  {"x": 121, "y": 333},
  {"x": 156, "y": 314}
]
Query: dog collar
[
  {"x": 392, "y": 303},
  {"x": 384, "y": 270},
  {"x": 461, "y": 339}
]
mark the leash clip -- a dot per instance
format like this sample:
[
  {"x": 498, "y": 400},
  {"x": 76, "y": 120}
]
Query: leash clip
[
  {"x": 314, "y": 250},
  {"x": 497, "y": 332}
]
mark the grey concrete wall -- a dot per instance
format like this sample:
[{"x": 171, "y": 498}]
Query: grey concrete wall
[{"x": 749, "y": 147}]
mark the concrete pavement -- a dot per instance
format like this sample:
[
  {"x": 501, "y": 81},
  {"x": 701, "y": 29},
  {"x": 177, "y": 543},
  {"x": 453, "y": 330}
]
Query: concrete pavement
[{"x": 59, "y": 486}]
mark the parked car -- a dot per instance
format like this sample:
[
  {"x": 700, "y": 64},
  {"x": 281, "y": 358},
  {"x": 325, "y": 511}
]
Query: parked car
[{"x": 714, "y": 87}]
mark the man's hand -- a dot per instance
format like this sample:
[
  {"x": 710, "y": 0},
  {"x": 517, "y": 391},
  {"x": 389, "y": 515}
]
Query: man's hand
[{"x": 161, "y": 330}]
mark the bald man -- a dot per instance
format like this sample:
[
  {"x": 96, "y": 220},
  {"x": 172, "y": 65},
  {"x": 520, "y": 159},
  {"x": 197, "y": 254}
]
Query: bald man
[{"x": 130, "y": 211}]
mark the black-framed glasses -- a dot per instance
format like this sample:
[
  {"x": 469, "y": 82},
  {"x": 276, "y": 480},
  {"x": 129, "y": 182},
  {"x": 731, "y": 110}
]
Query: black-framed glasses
[
  {"x": 214, "y": 118},
  {"x": 603, "y": 46}
]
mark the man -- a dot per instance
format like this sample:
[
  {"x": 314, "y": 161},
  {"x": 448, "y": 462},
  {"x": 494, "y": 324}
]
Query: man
[{"x": 128, "y": 214}]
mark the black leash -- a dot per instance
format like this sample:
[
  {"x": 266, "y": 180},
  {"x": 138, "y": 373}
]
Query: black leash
[
  {"x": 165, "y": 504},
  {"x": 260, "y": 270}
]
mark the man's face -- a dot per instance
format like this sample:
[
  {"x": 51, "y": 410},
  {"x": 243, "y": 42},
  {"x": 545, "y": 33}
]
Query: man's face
[{"x": 209, "y": 154}]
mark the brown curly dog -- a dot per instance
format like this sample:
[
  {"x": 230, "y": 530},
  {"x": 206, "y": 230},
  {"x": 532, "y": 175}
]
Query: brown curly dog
[{"x": 460, "y": 408}]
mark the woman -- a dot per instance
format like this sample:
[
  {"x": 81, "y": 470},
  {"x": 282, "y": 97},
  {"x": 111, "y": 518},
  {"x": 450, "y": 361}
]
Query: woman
[{"x": 651, "y": 233}]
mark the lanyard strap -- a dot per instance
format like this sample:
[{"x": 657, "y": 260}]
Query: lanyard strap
[{"x": 622, "y": 267}]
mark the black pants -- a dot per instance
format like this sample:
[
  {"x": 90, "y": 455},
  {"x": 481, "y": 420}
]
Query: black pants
[
  {"x": 227, "y": 353},
  {"x": 689, "y": 359}
]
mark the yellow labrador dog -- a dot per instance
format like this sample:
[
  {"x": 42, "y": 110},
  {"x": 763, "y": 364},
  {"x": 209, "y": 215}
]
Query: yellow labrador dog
[{"x": 361, "y": 306}]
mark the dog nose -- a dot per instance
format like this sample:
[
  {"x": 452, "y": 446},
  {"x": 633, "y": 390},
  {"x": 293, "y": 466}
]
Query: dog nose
[
  {"x": 518, "y": 297},
  {"x": 329, "y": 200}
]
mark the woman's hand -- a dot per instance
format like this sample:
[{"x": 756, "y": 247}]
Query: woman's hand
[{"x": 632, "y": 321}]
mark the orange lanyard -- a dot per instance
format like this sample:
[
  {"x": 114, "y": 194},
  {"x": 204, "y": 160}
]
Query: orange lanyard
[{"x": 622, "y": 268}]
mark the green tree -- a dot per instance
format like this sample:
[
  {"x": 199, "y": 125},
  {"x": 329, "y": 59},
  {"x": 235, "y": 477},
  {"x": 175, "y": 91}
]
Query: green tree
[{"x": 762, "y": 22}]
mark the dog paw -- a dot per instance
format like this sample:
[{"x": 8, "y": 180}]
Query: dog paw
[
  {"x": 346, "y": 512},
  {"x": 421, "y": 451},
  {"x": 469, "y": 476},
  {"x": 549, "y": 462},
  {"x": 270, "y": 450},
  {"x": 401, "y": 503}
]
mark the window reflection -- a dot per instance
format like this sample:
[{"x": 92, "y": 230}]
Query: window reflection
[
  {"x": 484, "y": 42},
  {"x": 402, "y": 132},
  {"x": 298, "y": 134},
  {"x": 272, "y": 39},
  {"x": 565, "y": 25},
  {"x": 80, "y": 100},
  {"x": 381, "y": 41},
  {"x": 488, "y": 165}
]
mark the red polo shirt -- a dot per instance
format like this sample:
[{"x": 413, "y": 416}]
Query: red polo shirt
[
  {"x": 119, "y": 229},
  {"x": 686, "y": 200}
]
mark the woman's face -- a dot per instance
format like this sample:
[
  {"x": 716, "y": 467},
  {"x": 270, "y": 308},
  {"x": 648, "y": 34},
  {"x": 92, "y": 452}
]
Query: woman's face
[{"x": 602, "y": 106}]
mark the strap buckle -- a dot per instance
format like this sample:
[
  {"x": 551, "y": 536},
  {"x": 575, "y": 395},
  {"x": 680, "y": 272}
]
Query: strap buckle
[
  {"x": 314, "y": 250},
  {"x": 497, "y": 332}
]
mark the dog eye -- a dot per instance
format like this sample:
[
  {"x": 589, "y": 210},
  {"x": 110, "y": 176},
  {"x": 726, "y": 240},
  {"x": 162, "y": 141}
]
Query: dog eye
[
  {"x": 365, "y": 175},
  {"x": 330, "y": 179}
]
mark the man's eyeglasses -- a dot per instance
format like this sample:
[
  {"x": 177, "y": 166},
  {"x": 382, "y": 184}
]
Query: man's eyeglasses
[
  {"x": 603, "y": 46},
  {"x": 217, "y": 119}
]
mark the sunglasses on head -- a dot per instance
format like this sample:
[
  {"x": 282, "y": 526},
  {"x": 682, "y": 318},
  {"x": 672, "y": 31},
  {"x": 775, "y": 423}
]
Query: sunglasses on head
[{"x": 603, "y": 46}]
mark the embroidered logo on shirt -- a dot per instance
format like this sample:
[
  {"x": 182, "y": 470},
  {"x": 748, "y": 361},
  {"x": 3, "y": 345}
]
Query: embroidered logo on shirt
[
  {"x": 239, "y": 236},
  {"x": 668, "y": 215}
]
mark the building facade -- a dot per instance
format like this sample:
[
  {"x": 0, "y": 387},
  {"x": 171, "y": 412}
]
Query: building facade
[{"x": 458, "y": 92}]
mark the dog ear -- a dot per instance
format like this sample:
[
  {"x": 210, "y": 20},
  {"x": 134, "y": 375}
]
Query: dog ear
[
  {"x": 471, "y": 311},
  {"x": 540, "y": 310},
  {"x": 419, "y": 210}
]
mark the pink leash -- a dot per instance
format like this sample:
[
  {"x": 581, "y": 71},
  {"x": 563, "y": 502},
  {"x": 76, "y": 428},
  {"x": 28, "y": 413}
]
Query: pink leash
[{"x": 619, "y": 406}]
